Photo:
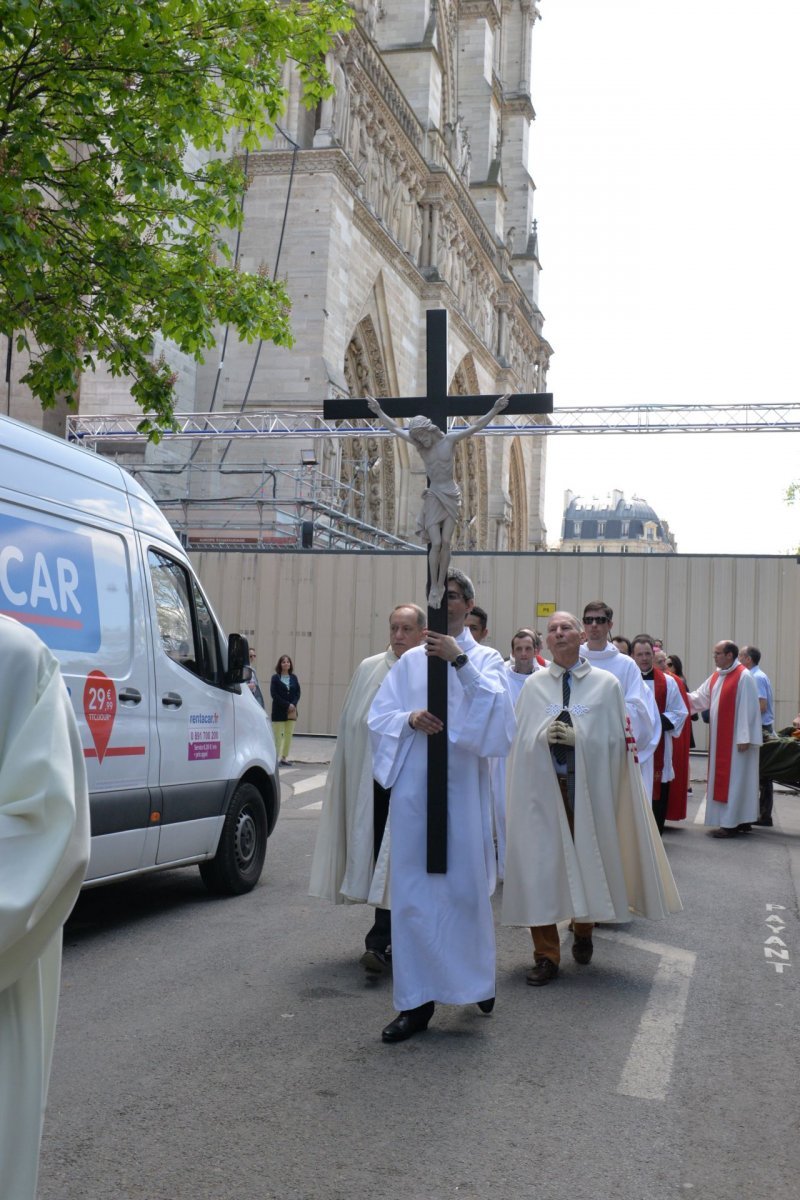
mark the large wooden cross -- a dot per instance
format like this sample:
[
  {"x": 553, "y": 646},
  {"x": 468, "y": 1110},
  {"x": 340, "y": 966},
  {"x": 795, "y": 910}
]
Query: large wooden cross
[{"x": 438, "y": 406}]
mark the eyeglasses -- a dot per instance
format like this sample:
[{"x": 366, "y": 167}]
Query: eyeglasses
[{"x": 595, "y": 620}]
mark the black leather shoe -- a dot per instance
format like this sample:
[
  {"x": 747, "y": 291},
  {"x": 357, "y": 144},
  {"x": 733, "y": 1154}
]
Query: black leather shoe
[
  {"x": 582, "y": 950},
  {"x": 745, "y": 827},
  {"x": 408, "y": 1023},
  {"x": 542, "y": 972},
  {"x": 486, "y": 1006},
  {"x": 764, "y": 822},
  {"x": 375, "y": 962}
]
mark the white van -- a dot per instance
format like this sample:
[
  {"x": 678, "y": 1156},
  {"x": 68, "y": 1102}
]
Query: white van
[{"x": 180, "y": 756}]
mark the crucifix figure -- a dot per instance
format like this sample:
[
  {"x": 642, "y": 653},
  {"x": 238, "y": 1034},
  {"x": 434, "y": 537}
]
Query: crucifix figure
[
  {"x": 436, "y": 406},
  {"x": 441, "y": 500}
]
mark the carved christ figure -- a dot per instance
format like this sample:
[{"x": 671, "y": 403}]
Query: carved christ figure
[{"x": 441, "y": 499}]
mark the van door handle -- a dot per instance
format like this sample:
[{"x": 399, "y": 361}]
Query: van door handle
[
  {"x": 171, "y": 700},
  {"x": 130, "y": 696}
]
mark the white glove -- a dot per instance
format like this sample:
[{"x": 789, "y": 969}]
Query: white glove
[{"x": 561, "y": 734}]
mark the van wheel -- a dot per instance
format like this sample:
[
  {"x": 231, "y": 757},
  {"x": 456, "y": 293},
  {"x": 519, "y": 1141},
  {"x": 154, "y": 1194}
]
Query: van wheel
[{"x": 237, "y": 865}]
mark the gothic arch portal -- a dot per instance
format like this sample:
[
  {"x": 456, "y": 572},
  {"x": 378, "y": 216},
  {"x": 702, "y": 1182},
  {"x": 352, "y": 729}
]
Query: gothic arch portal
[
  {"x": 367, "y": 465},
  {"x": 471, "y": 471},
  {"x": 518, "y": 533}
]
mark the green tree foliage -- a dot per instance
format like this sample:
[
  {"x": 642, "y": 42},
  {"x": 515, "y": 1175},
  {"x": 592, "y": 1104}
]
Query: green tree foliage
[{"x": 116, "y": 184}]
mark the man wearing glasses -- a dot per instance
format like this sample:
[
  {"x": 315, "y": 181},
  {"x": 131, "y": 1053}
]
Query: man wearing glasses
[{"x": 640, "y": 703}]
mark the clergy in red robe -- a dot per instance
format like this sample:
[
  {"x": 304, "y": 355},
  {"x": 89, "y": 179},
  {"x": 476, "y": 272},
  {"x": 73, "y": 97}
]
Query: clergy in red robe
[{"x": 731, "y": 696}]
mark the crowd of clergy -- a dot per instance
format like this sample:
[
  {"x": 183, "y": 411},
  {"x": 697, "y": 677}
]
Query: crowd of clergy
[{"x": 566, "y": 761}]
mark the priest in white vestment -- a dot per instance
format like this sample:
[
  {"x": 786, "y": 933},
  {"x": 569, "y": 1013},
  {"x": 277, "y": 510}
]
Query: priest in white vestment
[
  {"x": 44, "y": 850},
  {"x": 731, "y": 696},
  {"x": 443, "y": 945},
  {"x": 582, "y": 841},
  {"x": 639, "y": 701},
  {"x": 353, "y": 813}
]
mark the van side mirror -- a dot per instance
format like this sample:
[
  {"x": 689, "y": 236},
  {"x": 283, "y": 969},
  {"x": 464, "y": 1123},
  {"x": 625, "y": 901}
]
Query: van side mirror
[{"x": 238, "y": 659}]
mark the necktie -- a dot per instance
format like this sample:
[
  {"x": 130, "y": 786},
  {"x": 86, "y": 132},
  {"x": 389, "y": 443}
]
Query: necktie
[{"x": 560, "y": 752}]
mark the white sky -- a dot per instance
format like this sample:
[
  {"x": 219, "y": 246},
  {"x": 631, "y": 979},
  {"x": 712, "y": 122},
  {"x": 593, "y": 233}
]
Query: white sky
[{"x": 666, "y": 159}]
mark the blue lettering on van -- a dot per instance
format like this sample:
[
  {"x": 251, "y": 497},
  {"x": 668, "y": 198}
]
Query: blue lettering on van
[{"x": 48, "y": 581}]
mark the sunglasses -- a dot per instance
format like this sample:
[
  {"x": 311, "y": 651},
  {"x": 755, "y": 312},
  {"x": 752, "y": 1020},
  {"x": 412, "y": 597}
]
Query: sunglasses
[{"x": 595, "y": 620}]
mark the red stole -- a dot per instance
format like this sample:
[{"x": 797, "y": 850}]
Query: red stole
[
  {"x": 724, "y": 733},
  {"x": 660, "y": 684},
  {"x": 681, "y": 745}
]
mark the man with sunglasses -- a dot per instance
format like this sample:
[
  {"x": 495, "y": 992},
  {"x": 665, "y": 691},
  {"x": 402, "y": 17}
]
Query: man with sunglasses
[{"x": 640, "y": 703}]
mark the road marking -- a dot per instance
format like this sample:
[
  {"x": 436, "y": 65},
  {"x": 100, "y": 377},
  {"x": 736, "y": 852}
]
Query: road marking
[
  {"x": 647, "y": 1073},
  {"x": 776, "y": 925},
  {"x": 700, "y": 815},
  {"x": 309, "y": 785},
  {"x": 316, "y": 804}
]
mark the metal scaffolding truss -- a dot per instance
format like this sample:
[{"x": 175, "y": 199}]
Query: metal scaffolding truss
[
  {"x": 272, "y": 423},
  {"x": 301, "y": 497}
]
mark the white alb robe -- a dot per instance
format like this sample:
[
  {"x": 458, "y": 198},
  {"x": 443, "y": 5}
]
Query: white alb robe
[
  {"x": 497, "y": 771},
  {"x": 639, "y": 703},
  {"x": 443, "y": 946},
  {"x": 615, "y": 865},
  {"x": 44, "y": 850},
  {"x": 343, "y": 863},
  {"x": 741, "y": 806}
]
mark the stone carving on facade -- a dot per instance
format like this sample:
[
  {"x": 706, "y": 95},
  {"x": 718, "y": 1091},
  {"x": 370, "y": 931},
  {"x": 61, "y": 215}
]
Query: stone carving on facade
[
  {"x": 458, "y": 147},
  {"x": 369, "y": 13},
  {"x": 341, "y": 104},
  {"x": 393, "y": 184}
]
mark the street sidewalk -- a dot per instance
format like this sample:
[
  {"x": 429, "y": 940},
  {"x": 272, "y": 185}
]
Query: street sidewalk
[{"x": 308, "y": 750}]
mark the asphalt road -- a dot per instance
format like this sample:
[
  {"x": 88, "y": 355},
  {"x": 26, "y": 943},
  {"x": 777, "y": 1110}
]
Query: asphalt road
[{"x": 231, "y": 1048}]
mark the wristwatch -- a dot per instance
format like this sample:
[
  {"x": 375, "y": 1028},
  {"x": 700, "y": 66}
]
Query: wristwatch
[{"x": 459, "y": 662}]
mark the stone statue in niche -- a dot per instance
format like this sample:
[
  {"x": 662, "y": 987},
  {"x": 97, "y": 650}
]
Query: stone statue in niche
[{"x": 441, "y": 499}]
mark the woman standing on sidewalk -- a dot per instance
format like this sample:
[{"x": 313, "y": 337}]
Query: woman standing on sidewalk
[{"x": 284, "y": 689}]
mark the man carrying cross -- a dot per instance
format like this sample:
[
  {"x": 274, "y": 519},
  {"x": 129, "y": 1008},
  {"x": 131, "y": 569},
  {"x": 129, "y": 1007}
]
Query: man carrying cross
[{"x": 443, "y": 946}]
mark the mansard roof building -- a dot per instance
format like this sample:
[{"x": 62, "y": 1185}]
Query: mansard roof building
[
  {"x": 614, "y": 525},
  {"x": 411, "y": 188}
]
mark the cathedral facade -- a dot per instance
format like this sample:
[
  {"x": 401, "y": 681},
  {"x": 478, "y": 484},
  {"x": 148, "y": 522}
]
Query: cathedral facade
[{"x": 410, "y": 188}]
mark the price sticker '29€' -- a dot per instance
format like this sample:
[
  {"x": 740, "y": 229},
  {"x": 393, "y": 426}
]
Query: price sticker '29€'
[{"x": 100, "y": 709}]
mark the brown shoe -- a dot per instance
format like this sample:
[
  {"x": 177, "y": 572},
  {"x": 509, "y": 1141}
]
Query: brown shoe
[
  {"x": 542, "y": 972},
  {"x": 582, "y": 950},
  {"x": 724, "y": 832}
]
